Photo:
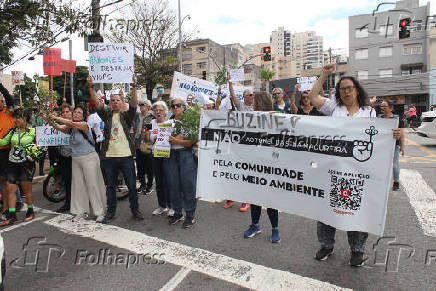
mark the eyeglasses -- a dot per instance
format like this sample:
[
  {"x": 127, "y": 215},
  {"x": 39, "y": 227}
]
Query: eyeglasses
[
  {"x": 178, "y": 105},
  {"x": 158, "y": 110},
  {"x": 345, "y": 89}
]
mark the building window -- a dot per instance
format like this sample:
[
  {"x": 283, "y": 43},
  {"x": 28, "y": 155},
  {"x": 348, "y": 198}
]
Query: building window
[
  {"x": 385, "y": 52},
  {"x": 187, "y": 54},
  {"x": 362, "y": 75},
  {"x": 201, "y": 65},
  {"x": 385, "y": 30},
  {"x": 201, "y": 49},
  {"x": 187, "y": 69},
  {"x": 416, "y": 25},
  {"x": 412, "y": 49},
  {"x": 361, "y": 54},
  {"x": 386, "y": 73},
  {"x": 361, "y": 32}
]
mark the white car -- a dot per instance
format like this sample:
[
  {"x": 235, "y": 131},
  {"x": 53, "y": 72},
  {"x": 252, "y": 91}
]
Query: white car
[
  {"x": 3, "y": 263},
  {"x": 428, "y": 125}
]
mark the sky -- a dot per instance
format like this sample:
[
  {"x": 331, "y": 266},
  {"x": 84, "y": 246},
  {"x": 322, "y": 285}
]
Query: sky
[{"x": 241, "y": 21}]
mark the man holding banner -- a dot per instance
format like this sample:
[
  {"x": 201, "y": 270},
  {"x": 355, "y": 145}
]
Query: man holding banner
[{"x": 118, "y": 147}]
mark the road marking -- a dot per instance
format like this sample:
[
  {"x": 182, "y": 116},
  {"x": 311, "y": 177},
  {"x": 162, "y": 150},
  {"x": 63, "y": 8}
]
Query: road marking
[
  {"x": 421, "y": 147},
  {"x": 14, "y": 226},
  {"x": 178, "y": 277},
  {"x": 422, "y": 198},
  {"x": 239, "y": 272}
]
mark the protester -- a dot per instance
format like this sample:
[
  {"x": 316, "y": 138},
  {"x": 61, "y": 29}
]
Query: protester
[
  {"x": 350, "y": 100},
  {"x": 387, "y": 108},
  {"x": 281, "y": 105},
  {"x": 181, "y": 172},
  {"x": 263, "y": 102},
  {"x": 118, "y": 148},
  {"x": 305, "y": 107},
  {"x": 144, "y": 162},
  {"x": 97, "y": 126},
  {"x": 413, "y": 119},
  {"x": 20, "y": 167},
  {"x": 6, "y": 124},
  {"x": 65, "y": 160},
  {"x": 87, "y": 185},
  {"x": 160, "y": 110}
]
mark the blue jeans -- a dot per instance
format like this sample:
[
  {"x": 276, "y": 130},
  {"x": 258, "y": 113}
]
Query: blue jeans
[
  {"x": 397, "y": 163},
  {"x": 181, "y": 173},
  {"x": 127, "y": 168}
]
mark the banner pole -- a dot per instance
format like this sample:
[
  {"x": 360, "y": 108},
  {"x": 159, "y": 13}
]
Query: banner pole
[
  {"x": 51, "y": 92},
  {"x": 65, "y": 84}
]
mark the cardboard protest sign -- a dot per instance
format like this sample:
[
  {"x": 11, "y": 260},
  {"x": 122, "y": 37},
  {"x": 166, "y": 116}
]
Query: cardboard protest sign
[
  {"x": 336, "y": 170},
  {"x": 184, "y": 85},
  {"x": 52, "y": 61},
  {"x": 306, "y": 83},
  {"x": 17, "y": 77},
  {"x": 68, "y": 66},
  {"x": 111, "y": 62},
  {"x": 162, "y": 147},
  {"x": 237, "y": 75},
  {"x": 49, "y": 136}
]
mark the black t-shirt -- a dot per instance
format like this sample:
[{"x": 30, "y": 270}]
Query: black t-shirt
[{"x": 313, "y": 112}]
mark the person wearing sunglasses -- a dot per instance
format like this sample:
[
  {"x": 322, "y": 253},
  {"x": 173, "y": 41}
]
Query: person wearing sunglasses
[
  {"x": 281, "y": 105},
  {"x": 351, "y": 100},
  {"x": 305, "y": 107},
  {"x": 248, "y": 95}
]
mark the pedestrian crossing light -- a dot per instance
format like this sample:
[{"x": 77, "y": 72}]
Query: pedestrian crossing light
[
  {"x": 267, "y": 53},
  {"x": 404, "y": 28}
]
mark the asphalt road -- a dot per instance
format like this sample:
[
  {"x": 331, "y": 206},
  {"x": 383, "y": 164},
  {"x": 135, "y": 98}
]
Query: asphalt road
[{"x": 153, "y": 255}]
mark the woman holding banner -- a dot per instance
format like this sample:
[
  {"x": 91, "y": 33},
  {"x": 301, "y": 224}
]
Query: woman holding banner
[
  {"x": 350, "y": 100},
  {"x": 21, "y": 165},
  {"x": 263, "y": 102}
]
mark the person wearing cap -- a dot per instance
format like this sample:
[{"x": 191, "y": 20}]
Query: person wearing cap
[{"x": 144, "y": 162}]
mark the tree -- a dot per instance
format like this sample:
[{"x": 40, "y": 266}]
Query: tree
[
  {"x": 154, "y": 42},
  {"x": 28, "y": 90},
  {"x": 37, "y": 24}
]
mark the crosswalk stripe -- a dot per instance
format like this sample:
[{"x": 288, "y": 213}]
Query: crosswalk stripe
[
  {"x": 178, "y": 277},
  {"x": 422, "y": 198},
  {"x": 239, "y": 272}
]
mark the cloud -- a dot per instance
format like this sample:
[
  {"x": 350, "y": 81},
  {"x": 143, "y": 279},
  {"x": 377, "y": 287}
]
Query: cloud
[{"x": 227, "y": 20}]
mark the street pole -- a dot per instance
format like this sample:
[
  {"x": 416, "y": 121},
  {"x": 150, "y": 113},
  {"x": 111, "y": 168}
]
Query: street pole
[
  {"x": 329, "y": 78},
  {"x": 180, "y": 41},
  {"x": 70, "y": 44},
  {"x": 95, "y": 13}
]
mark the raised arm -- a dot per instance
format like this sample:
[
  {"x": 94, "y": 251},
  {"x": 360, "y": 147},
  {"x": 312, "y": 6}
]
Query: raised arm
[
  {"x": 134, "y": 100},
  {"x": 8, "y": 98},
  {"x": 218, "y": 98},
  {"x": 6, "y": 139},
  {"x": 79, "y": 125},
  {"x": 232, "y": 92},
  {"x": 317, "y": 100},
  {"x": 93, "y": 94},
  {"x": 293, "y": 106}
]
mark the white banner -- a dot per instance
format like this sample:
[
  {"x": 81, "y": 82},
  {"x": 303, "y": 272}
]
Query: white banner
[
  {"x": 17, "y": 77},
  {"x": 237, "y": 75},
  {"x": 336, "y": 170},
  {"x": 184, "y": 85},
  {"x": 111, "y": 62},
  {"x": 306, "y": 83},
  {"x": 49, "y": 136}
]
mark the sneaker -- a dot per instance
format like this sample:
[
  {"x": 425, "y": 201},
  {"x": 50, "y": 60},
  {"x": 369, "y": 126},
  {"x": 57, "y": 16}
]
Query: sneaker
[
  {"x": 100, "y": 219},
  {"x": 244, "y": 207},
  {"x": 148, "y": 190},
  {"x": 228, "y": 204},
  {"x": 29, "y": 215},
  {"x": 10, "y": 219},
  {"x": 18, "y": 206},
  {"x": 323, "y": 253},
  {"x": 357, "y": 259},
  {"x": 171, "y": 212},
  {"x": 275, "y": 237},
  {"x": 5, "y": 214},
  {"x": 138, "y": 215},
  {"x": 159, "y": 211},
  {"x": 141, "y": 189},
  {"x": 189, "y": 222},
  {"x": 396, "y": 186},
  {"x": 63, "y": 209},
  {"x": 252, "y": 231},
  {"x": 80, "y": 217},
  {"x": 175, "y": 218},
  {"x": 109, "y": 216}
]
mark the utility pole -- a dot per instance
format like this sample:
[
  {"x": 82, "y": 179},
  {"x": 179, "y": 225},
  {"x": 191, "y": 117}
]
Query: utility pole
[
  {"x": 96, "y": 36},
  {"x": 329, "y": 78},
  {"x": 70, "y": 45},
  {"x": 180, "y": 41}
]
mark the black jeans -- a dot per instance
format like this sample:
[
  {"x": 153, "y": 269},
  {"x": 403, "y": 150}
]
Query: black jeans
[
  {"x": 144, "y": 165},
  {"x": 65, "y": 170},
  {"x": 273, "y": 215},
  {"x": 163, "y": 197}
]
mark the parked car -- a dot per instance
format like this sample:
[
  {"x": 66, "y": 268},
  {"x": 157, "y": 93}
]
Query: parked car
[
  {"x": 3, "y": 263},
  {"x": 428, "y": 125}
]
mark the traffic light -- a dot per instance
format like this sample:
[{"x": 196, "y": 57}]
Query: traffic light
[
  {"x": 266, "y": 53},
  {"x": 404, "y": 28}
]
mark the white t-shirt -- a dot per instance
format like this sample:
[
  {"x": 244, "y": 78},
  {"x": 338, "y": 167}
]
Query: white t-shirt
[
  {"x": 225, "y": 104},
  {"x": 331, "y": 108},
  {"x": 242, "y": 107},
  {"x": 95, "y": 122}
]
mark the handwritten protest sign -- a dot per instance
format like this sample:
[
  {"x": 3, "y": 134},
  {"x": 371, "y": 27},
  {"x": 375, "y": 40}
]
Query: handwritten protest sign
[
  {"x": 237, "y": 75},
  {"x": 183, "y": 86},
  {"x": 68, "y": 66},
  {"x": 162, "y": 146},
  {"x": 336, "y": 170},
  {"x": 111, "y": 62},
  {"x": 306, "y": 83},
  {"x": 52, "y": 61},
  {"x": 17, "y": 77},
  {"x": 49, "y": 136}
]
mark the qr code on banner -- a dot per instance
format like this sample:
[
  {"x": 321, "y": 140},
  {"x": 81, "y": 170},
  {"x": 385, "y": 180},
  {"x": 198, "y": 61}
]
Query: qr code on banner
[{"x": 346, "y": 192}]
